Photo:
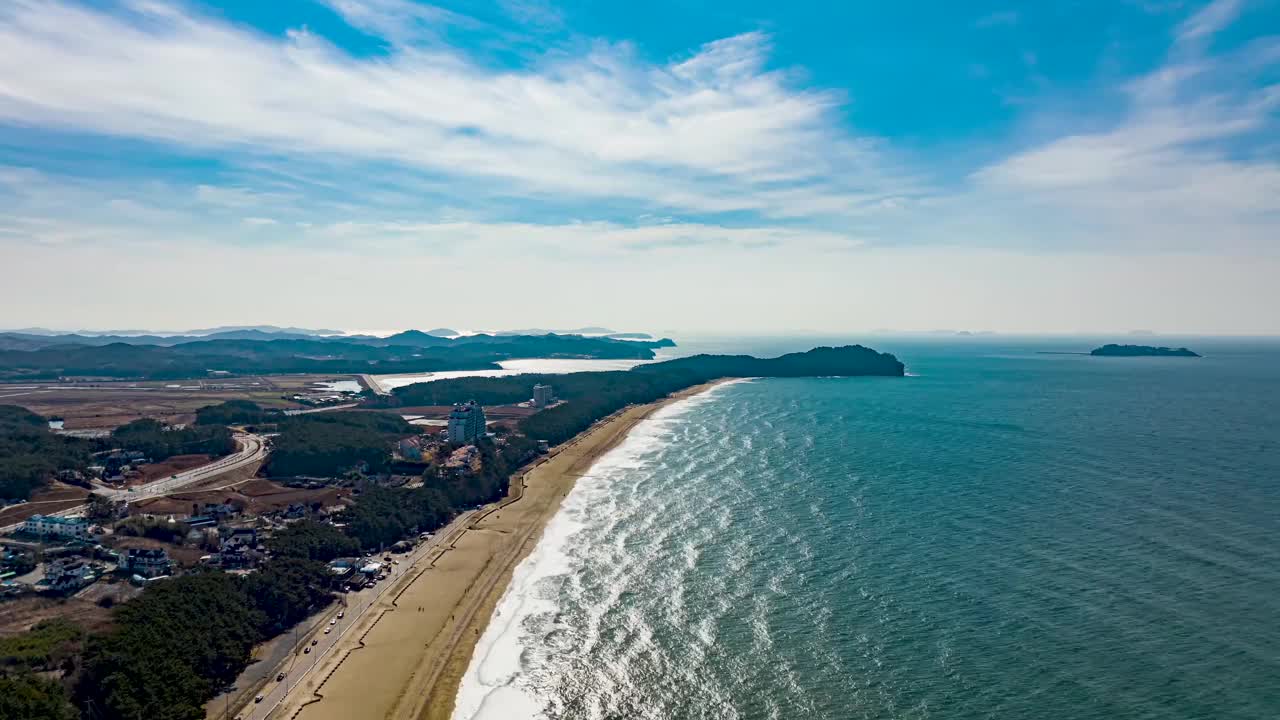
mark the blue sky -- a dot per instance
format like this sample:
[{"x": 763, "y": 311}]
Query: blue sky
[{"x": 1051, "y": 166}]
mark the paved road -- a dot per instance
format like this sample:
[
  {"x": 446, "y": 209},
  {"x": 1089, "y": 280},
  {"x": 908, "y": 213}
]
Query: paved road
[
  {"x": 358, "y": 604},
  {"x": 253, "y": 448},
  {"x": 374, "y": 385}
]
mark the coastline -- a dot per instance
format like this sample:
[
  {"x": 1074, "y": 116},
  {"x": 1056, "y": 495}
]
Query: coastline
[{"x": 406, "y": 659}]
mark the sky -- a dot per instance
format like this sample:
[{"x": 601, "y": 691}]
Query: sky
[{"x": 690, "y": 165}]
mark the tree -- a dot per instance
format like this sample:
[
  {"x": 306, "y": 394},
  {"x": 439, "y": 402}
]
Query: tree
[{"x": 29, "y": 697}]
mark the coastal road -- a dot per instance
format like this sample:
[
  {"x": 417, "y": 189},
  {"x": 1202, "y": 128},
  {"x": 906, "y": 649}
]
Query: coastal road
[
  {"x": 359, "y": 604},
  {"x": 252, "y": 448}
]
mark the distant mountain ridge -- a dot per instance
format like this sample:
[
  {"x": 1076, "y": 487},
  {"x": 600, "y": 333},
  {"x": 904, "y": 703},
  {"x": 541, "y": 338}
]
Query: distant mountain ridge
[{"x": 35, "y": 357}]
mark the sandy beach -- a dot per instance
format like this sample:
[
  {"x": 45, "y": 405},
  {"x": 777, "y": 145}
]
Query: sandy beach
[{"x": 406, "y": 656}]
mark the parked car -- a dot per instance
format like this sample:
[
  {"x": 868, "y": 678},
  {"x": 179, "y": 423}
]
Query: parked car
[
  {"x": 333, "y": 621},
  {"x": 280, "y": 677},
  {"x": 341, "y": 613},
  {"x": 258, "y": 699},
  {"x": 315, "y": 642},
  {"x": 328, "y": 630}
]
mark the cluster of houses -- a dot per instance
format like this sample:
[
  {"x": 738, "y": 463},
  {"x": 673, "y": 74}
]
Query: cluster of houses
[{"x": 465, "y": 459}]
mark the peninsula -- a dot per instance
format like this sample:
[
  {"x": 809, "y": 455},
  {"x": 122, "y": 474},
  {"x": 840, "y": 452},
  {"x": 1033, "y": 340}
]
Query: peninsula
[{"x": 1112, "y": 350}]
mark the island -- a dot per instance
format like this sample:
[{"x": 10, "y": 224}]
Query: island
[{"x": 1112, "y": 350}]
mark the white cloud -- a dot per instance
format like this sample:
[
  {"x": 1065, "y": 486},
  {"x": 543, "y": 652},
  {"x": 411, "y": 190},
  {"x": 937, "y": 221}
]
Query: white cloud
[
  {"x": 714, "y": 132},
  {"x": 1173, "y": 172}
]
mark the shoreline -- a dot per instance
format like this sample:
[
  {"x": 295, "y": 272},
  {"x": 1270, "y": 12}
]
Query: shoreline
[{"x": 407, "y": 658}]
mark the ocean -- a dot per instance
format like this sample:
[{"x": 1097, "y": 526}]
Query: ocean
[{"x": 1002, "y": 534}]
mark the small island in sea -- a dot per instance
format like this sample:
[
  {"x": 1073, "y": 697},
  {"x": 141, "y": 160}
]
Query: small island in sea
[{"x": 1112, "y": 350}]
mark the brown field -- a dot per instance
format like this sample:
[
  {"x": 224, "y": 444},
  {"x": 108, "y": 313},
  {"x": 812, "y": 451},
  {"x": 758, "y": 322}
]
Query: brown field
[
  {"x": 58, "y": 496},
  {"x": 258, "y": 496},
  {"x": 17, "y": 616},
  {"x": 172, "y": 466},
  {"x": 105, "y": 405}
]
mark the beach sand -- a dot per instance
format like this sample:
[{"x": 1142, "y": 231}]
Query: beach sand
[{"x": 404, "y": 659}]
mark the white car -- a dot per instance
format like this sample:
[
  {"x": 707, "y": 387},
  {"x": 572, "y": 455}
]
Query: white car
[
  {"x": 333, "y": 621},
  {"x": 328, "y": 630}
]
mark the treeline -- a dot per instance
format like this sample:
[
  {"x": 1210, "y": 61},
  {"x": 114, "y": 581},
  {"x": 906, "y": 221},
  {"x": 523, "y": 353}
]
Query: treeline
[
  {"x": 310, "y": 540},
  {"x": 331, "y": 443},
  {"x": 30, "y": 453},
  {"x": 383, "y": 516},
  {"x": 174, "y": 646},
  {"x": 235, "y": 412},
  {"x": 158, "y": 442},
  {"x": 406, "y": 352},
  {"x": 594, "y": 395}
]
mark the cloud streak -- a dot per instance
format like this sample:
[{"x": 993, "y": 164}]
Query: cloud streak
[{"x": 714, "y": 132}]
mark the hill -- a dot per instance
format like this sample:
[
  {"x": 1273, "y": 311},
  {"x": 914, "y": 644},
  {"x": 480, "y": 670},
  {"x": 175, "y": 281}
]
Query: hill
[
  {"x": 407, "y": 352},
  {"x": 1113, "y": 350}
]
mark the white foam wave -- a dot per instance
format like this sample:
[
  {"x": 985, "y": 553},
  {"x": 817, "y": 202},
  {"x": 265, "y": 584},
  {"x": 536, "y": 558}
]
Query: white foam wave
[{"x": 495, "y": 685}]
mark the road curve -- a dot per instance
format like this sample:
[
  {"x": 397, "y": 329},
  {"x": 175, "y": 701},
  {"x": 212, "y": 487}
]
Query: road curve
[{"x": 253, "y": 448}]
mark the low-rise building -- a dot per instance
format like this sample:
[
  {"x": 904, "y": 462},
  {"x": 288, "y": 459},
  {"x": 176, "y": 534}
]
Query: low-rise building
[
  {"x": 463, "y": 460},
  {"x": 411, "y": 447},
  {"x": 68, "y": 575},
  {"x": 147, "y": 562},
  {"x": 54, "y": 526}
]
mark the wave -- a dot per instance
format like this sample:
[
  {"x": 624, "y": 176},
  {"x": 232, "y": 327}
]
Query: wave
[{"x": 496, "y": 683}]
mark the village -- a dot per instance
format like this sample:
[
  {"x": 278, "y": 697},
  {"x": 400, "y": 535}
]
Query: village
[{"x": 126, "y": 536}]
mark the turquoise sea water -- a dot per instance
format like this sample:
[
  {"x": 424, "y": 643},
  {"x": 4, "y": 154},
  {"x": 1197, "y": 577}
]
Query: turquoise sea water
[{"x": 1004, "y": 534}]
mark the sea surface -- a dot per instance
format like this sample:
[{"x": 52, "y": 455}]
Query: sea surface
[
  {"x": 553, "y": 366},
  {"x": 1001, "y": 534}
]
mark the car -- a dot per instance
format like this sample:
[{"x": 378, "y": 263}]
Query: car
[
  {"x": 341, "y": 613},
  {"x": 280, "y": 677},
  {"x": 328, "y": 630},
  {"x": 258, "y": 699},
  {"x": 395, "y": 562},
  {"x": 306, "y": 650},
  {"x": 333, "y": 621},
  {"x": 315, "y": 642}
]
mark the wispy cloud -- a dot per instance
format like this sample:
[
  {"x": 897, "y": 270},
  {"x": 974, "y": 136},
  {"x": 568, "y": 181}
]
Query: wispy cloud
[
  {"x": 1172, "y": 172},
  {"x": 714, "y": 132}
]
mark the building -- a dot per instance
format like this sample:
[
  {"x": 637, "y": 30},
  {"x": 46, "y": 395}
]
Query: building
[
  {"x": 466, "y": 422},
  {"x": 463, "y": 460},
  {"x": 67, "y": 576},
  {"x": 542, "y": 396},
  {"x": 54, "y": 526},
  {"x": 411, "y": 448},
  {"x": 147, "y": 562}
]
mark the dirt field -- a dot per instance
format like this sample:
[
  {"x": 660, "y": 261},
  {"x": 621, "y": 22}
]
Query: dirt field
[
  {"x": 257, "y": 496},
  {"x": 57, "y": 496},
  {"x": 17, "y": 616},
  {"x": 105, "y": 405},
  {"x": 172, "y": 466}
]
